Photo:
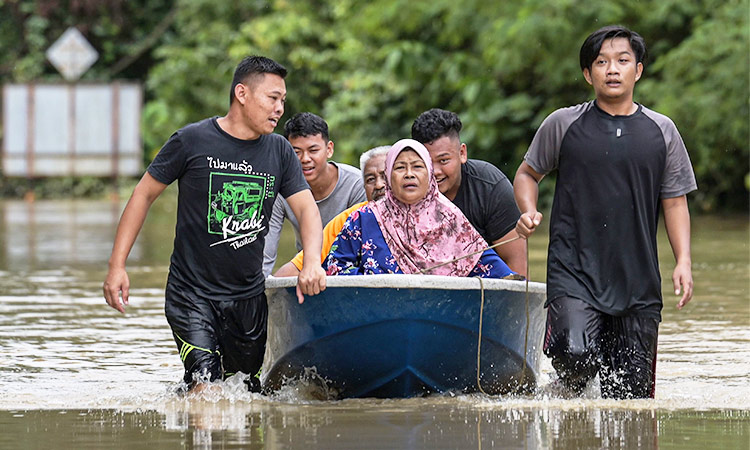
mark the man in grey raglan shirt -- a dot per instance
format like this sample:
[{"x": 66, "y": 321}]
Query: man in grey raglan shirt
[
  {"x": 618, "y": 164},
  {"x": 335, "y": 186}
]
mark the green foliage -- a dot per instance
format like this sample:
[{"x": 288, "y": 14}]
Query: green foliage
[
  {"x": 66, "y": 187},
  {"x": 369, "y": 68},
  {"x": 121, "y": 31},
  {"x": 116, "y": 28},
  {"x": 193, "y": 77},
  {"x": 702, "y": 85}
]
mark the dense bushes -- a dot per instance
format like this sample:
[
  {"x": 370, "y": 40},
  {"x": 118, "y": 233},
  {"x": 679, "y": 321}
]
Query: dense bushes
[{"x": 369, "y": 68}]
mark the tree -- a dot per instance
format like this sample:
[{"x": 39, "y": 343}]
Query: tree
[
  {"x": 702, "y": 84},
  {"x": 369, "y": 68},
  {"x": 117, "y": 29}
]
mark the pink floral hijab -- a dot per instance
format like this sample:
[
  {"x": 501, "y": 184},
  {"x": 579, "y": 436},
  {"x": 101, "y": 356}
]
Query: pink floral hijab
[{"x": 430, "y": 232}]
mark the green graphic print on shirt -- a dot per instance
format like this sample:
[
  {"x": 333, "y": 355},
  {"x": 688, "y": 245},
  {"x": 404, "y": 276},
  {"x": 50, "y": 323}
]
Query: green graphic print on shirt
[{"x": 235, "y": 208}]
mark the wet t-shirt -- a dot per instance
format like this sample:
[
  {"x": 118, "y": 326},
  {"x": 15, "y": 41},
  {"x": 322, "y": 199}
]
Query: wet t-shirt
[
  {"x": 612, "y": 173},
  {"x": 485, "y": 196},
  {"x": 227, "y": 188}
]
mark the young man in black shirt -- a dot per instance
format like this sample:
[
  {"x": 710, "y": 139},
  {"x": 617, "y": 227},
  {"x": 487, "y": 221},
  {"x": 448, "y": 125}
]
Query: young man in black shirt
[
  {"x": 479, "y": 189},
  {"x": 230, "y": 171},
  {"x": 618, "y": 163}
]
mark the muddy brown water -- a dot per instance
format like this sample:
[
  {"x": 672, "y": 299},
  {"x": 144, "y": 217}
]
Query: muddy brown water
[{"x": 76, "y": 374}]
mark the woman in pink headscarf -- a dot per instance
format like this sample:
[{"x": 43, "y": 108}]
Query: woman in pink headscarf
[{"x": 412, "y": 229}]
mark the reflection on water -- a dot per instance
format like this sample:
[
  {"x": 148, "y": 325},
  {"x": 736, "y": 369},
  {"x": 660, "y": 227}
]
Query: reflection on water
[
  {"x": 406, "y": 424},
  {"x": 74, "y": 371},
  {"x": 57, "y": 233}
]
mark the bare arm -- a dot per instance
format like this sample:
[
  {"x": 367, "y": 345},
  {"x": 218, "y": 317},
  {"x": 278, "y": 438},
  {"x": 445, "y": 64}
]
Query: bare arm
[
  {"x": 144, "y": 194},
  {"x": 513, "y": 253},
  {"x": 287, "y": 270},
  {"x": 526, "y": 190},
  {"x": 677, "y": 222},
  {"x": 330, "y": 233},
  {"x": 312, "y": 277}
]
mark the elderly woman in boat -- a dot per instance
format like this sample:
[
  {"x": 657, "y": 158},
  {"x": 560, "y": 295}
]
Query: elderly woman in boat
[{"x": 413, "y": 229}]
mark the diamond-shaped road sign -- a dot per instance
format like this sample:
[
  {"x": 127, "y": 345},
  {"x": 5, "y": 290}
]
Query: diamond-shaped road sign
[{"x": 71, "y": 54}]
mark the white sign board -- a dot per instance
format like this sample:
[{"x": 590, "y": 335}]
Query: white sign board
[
  {"x": 71, "y": 54},
  {"x": 81, "y": 129}
]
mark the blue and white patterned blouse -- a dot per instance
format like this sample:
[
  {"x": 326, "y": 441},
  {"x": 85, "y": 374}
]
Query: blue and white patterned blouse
[{"x": 360, "y": 249}]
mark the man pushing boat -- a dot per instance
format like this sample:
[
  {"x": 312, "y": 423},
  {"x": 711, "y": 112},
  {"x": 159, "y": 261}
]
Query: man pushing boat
[{"x": 230, "y": 171}]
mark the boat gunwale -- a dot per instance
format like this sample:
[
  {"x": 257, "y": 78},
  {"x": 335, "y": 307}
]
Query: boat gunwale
[{"x": 410, "y": 281}]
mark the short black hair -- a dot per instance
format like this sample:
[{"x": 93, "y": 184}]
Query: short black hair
[
  {"x": 593, "y": 44},
  {"x": 253, "y": 66},
  {"x": 305, "y": 124},
  {"x": 434, "y": 124}
]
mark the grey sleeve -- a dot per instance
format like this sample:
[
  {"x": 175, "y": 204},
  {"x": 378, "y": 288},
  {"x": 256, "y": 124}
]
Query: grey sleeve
[
  {"x": 357, "y": 193},
  {"x": 348, "y": 192},
  {"x": 544, "y": 152},
  {"x": 350, "y": 182},
  {"x": 274, "y": 234},
  {"x": 678, "y": 178}
]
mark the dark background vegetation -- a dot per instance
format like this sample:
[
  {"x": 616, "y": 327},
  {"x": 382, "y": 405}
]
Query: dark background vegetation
[{"x": 370, "y": 67}]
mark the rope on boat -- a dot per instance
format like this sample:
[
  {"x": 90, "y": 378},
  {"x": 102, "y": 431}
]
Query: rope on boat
[
  {"x": 479, "y": 339},
  {"x": 481, "y": 307},
  {"x": 429, "y": 269},
  {"x": 526, "y": 335},
  {"x": 481, "y": 316}
]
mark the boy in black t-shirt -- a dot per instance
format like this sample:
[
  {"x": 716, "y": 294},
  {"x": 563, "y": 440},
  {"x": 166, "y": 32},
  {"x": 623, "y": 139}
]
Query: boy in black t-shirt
[
  {"x": 618, "y": 163},
  {"x": 479, "y": 189},
  {"x": 230, "y": 170}
]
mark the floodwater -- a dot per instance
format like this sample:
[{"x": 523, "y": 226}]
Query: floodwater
[{"x": 76, "y": 374}]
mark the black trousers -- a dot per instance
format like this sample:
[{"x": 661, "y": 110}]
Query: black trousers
[
  {"x": 583, "y": 341},
  {"x": 216, "y": 338}
]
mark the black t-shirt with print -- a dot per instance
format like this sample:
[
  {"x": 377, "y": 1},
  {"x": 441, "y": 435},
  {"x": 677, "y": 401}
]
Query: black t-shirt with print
[
  {"x": 486, "y": 199},
  {"x": 227, "y": 187}
]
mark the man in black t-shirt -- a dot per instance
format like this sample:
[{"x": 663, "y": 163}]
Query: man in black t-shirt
[
  {"x": 230, "y": 170},
  {"x": 618, "y": 163},
  {"x": 479, "y": 189}
]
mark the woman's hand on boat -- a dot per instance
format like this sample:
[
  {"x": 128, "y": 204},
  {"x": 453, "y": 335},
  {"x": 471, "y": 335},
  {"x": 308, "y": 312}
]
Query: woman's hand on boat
[
  {"x": 117, "y": 281},
  {"x": 311, "y": 281}
]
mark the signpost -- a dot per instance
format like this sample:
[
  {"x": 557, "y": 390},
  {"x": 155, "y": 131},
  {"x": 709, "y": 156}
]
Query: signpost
[
  {"x": 73, "y": 128},
  {"x": 71, "y": 54}
]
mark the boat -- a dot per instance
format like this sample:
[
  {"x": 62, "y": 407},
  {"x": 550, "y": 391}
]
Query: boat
[{"x": 397, "y": 336}]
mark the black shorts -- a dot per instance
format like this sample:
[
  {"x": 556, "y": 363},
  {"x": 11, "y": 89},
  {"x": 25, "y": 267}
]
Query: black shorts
[
  {"x": 583, "y": 341},
  {"x": 217, "y": 339}
]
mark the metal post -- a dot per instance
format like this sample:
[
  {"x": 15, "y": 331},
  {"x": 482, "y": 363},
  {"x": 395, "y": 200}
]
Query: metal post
[
  {"x": 71, "y": 128},
  {"x": 115, "y": 134},
  {"x": 30, "y": 113}
]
